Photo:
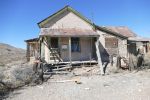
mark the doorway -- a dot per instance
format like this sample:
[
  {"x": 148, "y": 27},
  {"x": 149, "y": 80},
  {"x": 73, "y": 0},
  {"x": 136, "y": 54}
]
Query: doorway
[{"x": 54, "y": 42}]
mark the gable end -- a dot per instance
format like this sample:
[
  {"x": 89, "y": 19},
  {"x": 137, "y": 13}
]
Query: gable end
[{"x": 66, "y": 8}]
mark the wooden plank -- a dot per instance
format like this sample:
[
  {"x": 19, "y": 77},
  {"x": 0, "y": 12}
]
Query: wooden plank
[
  {"x": 46, "y": 50},
  {"x": 70, "y": 58},
  {"x": 42, "y": 50},
  {"x": 79, "y": 62},
  {"x": 59, "y": 44},
  {"x": 28, "y": 52},
  {"x": 56, "y": 72},
  {"x": 118, "y": 62},
  {"x": 99, "y": 56},
  {"x": 64, "y": 68},
  {"x": 40, "y": 42}
]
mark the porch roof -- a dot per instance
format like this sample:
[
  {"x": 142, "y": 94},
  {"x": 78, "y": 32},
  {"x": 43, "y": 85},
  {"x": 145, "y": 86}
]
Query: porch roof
[{"x": 68, "y": 32}]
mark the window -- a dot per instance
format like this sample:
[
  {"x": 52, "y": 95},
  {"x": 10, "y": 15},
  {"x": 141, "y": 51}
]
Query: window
[
  {"x": 75, "y": 44},
  {"x": 54, "y": 42},
  {"x": 111, "y": 42}
]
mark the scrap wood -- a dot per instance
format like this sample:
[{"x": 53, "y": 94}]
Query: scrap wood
[
  {"x": 76, "y": 80},
  {"x": 62, "y": 81},
  {"x": 56, "y": 72},
  {"x": 64, "y": 68}
]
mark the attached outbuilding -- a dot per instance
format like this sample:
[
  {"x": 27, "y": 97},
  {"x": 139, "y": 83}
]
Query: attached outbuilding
[{"x": 32, "y": 49}]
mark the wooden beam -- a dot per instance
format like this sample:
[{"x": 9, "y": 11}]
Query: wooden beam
[
  {"x": 59, "y": 46},
  {"x": 28, "y": 52},
  {"x": 63, "y": 68},
  {"x": 70, "y": 58},
  {"x": 99, "y": 56},
  {"x": 91, "y": 52},
  {"x": 40, "y": 46},
  {"x": 47, "y": 50},
  {"x": 43, "y": 48}
]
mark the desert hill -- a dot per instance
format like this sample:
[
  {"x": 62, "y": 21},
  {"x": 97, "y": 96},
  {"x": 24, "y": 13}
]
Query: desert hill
[{"x": 10, "y": 54}]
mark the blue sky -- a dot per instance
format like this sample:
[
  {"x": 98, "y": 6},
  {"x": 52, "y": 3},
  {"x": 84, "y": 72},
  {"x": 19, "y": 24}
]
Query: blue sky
[{"x": 19, "y": 18}]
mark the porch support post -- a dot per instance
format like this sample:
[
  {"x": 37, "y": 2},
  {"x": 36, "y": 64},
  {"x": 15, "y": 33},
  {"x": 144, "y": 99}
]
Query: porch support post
[
  {"x": 70, "y": 58},
  {"x": 99, "y": 56},
  {"x": 28, "y": 52},
  {"x": 47, "y": 50},
  {"x": 59, "y": 46},
  {"x": 42, "y": 48}
]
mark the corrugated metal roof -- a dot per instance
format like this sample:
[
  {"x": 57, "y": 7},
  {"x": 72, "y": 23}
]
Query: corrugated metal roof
[
  {"x": 68, "y": 32},
  {"x": 140, "y": 39},
  {"x": 108, "y": 31},
  {"x": 123, "y": 30}
]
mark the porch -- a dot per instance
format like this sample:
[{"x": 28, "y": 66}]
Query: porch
[{"x": 76, "y": 47}]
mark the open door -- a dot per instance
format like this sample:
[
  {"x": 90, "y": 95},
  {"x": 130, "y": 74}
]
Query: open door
[
  {"x": 132, "y": 48},
  {"x": 54, "y": 42}
]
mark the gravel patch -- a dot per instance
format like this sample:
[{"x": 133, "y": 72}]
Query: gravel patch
[{"x": 120, "y": 86}]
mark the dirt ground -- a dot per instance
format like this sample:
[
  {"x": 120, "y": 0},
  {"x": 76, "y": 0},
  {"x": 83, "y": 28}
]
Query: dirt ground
[{"x": 91, "y": 86}]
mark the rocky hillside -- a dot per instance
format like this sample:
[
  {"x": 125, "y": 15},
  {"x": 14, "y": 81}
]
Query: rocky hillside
[{"x": 9, "y": 54}]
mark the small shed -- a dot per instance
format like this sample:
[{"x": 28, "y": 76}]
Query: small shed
[{"x": 32, "y": 49}]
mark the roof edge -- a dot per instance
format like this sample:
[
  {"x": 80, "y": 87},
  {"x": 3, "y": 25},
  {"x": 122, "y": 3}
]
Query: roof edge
[{"x": 30, "y": 40}]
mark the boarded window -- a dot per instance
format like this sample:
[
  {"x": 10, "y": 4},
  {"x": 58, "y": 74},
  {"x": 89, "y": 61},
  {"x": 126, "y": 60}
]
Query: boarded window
[
  {"x": 111, "y": 42},
  {"x": 75, "y": 44}
]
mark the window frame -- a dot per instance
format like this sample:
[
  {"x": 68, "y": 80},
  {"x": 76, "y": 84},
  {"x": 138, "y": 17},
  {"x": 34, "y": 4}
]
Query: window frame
[
  {"x": 75, "y": 41},
  {"x": 111, "y": 42}
]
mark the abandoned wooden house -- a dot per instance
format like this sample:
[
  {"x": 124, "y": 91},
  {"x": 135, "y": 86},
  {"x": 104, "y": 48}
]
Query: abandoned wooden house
[{"x": 68, "y": 37}]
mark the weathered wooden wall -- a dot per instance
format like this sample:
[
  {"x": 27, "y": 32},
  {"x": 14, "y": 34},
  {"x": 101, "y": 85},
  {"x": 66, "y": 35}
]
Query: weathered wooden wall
[
  {"x": 112, "y": 45},
  {"x": 32, "y": 51},
  {"x": 28, "y": 52},
  {"x": 143, "y": 46},
  {"x": 85, "y": 50},
  {"x": 67, "y": 20},
  {"x": 122, "y": 46}
]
